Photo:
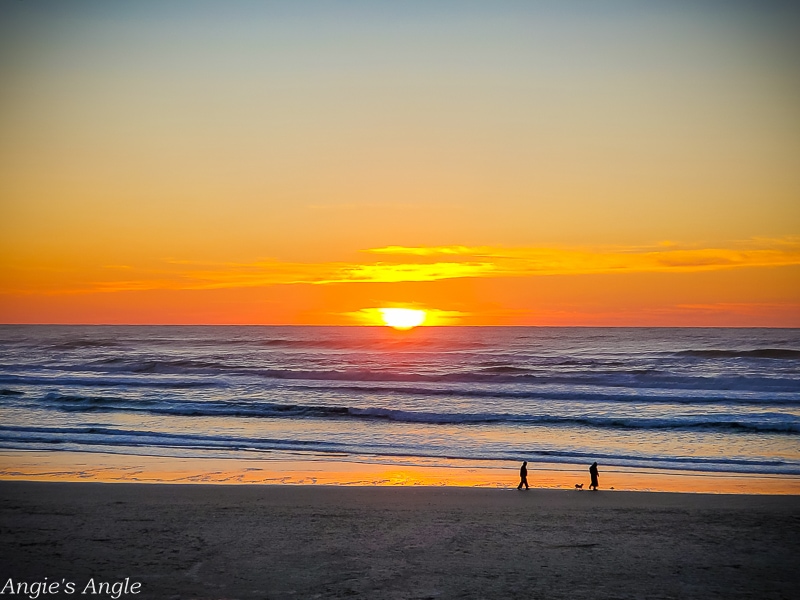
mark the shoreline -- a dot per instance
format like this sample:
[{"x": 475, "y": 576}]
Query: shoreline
[
  {"x": 291, "y": 470},
  {"x": 279, "y": 541}
]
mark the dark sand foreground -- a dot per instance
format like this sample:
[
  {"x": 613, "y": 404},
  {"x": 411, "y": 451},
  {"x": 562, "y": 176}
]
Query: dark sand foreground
[{"x": 211, "y": 541}]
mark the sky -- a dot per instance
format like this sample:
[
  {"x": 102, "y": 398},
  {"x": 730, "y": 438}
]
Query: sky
[{"x": 494, "y": 163}]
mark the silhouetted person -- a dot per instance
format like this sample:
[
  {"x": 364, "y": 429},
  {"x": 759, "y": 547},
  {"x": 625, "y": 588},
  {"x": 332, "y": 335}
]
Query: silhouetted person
[
  {"x": 593, "y": 473},
  {"x": 523, "y": 476}
]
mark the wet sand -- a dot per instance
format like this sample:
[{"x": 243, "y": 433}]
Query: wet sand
[
  {"x": 294, "y": 470},
  {"x": 257, "y": 541}
]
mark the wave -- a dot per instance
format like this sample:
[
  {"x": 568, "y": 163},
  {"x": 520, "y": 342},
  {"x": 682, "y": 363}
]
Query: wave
[
  {"x": 763, "y": 422},
  {"x": 109, "y": 439},
  {"x": 111, "y": 371},
  {"x": 380, "y": 343},
  {"x": 498, "y": 382},
  {"x": 717, "y": 423},
  {"x": 188, "y": 408},
  {"x": 132, "y": 437},
  {"x": 167, "y": 367},
  {"x": 84, "y": 343},
  {"x": 106, "y": 381},
  {"x": 582, "y": 395},
  {"x": 504, "y": 369},
  {"x": 640, "y": 379},
  {"x": 776, "y": 353}
]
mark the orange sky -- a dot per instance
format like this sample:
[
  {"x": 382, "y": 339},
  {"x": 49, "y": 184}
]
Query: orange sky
[{"x": 495, "y": 163}]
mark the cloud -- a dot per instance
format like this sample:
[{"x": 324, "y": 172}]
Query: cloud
[
  {"x": 389, "y": 273},
  {"x": 522, "y": 262},
  {"x": 426, "y": 265}
]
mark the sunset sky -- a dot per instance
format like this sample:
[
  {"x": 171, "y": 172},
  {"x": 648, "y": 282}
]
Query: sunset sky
[{"x": 494, "y": 163}]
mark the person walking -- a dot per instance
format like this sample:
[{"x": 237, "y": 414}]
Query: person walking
[
  {"x": 593, "y": 473},
  {"x": 523, "y": 476}
]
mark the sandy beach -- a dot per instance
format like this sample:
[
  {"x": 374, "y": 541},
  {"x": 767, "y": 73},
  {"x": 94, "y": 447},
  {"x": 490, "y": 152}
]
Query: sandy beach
[{"x": 256, "y": 541}]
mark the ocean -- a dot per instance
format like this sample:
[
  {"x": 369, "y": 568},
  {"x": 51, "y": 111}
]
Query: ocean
[{"x": 698, "y": 400}]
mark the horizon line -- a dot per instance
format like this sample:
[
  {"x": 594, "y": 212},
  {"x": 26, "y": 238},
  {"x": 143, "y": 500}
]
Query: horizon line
[{"x": 390, "y": 328}]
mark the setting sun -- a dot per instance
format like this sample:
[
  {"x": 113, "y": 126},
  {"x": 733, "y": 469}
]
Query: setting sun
[{"x": 402, "y": 318}]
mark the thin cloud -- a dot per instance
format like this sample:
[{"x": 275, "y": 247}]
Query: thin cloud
[
  {"x": 462, "y": 262},
  {"x": 520, "y": 262},
  {"x": 388, "y": 273}
]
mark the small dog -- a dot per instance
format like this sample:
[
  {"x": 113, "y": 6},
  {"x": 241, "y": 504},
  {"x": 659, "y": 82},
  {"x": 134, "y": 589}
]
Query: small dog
[{"x": 578, "y": 486}]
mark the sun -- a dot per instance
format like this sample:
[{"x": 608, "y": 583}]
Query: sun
[{"x": 402, "y": 318}]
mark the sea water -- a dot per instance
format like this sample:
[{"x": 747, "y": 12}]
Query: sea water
[{"x": 703, "y": 400}]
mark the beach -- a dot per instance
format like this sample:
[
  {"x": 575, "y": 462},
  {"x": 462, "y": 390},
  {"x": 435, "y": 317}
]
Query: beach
[
  {"x": 266, "y": 541},
  {"x": 291, "y": 462}
]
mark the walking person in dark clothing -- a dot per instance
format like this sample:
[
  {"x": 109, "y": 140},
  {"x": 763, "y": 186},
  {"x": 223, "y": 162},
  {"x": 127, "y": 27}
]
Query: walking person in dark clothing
[
  {"x": 523, "y": 476},
  {"x": 593, "y": 473}
]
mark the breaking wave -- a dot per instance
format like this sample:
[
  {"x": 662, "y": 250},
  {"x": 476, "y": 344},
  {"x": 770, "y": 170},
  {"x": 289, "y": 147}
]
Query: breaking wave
[{"x": 765, "y": 422}]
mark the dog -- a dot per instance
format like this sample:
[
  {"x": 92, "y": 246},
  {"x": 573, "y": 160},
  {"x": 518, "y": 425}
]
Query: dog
[{"x": 578, "y": 486}]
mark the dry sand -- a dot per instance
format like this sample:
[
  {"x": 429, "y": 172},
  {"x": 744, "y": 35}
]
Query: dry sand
[{"x": 250, "y": 541}]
